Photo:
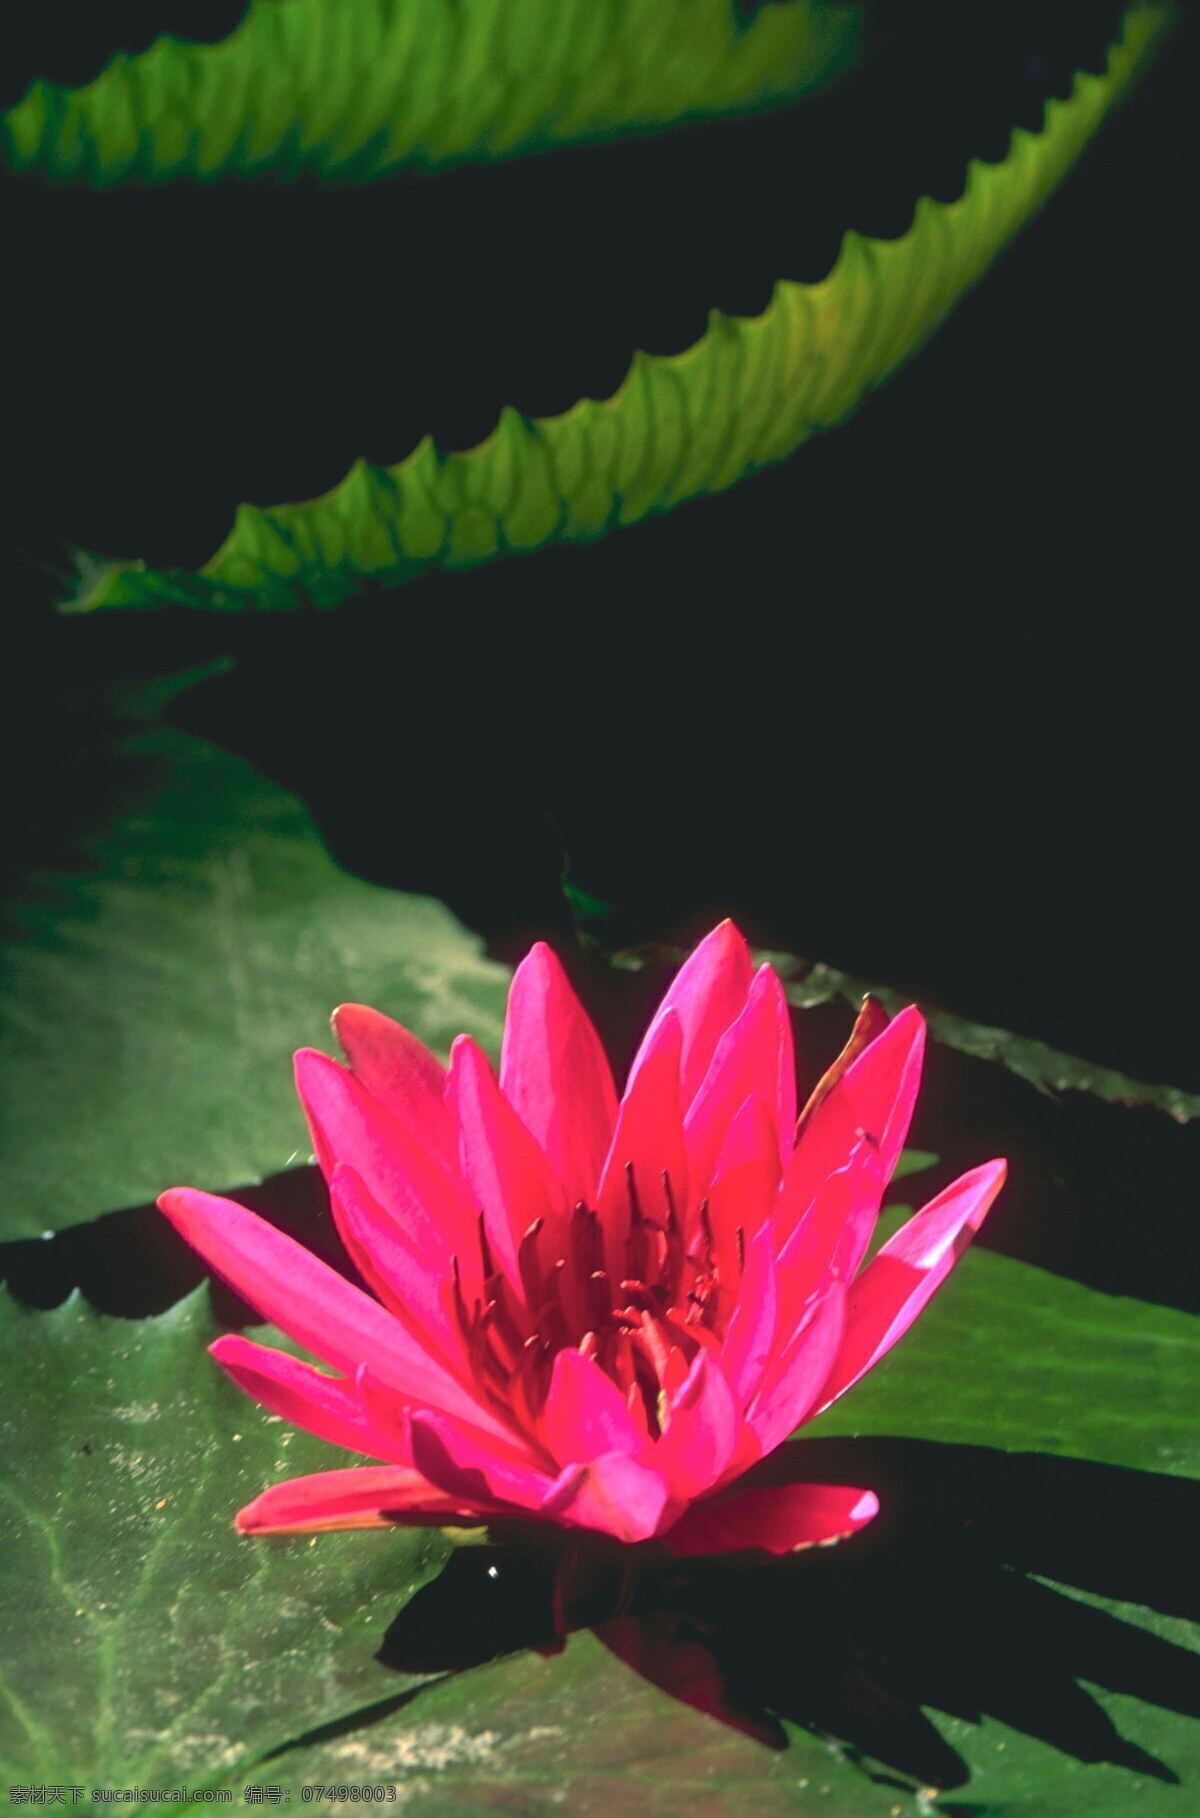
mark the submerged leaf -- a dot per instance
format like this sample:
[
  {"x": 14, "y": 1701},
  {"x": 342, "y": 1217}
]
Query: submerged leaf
[
  {"x": 353, "y": 91},
  {"x": 680, "y": 426}
]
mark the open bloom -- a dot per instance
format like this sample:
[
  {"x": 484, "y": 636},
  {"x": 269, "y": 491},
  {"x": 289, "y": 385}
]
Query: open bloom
[{"x": 591, "y": 1312}]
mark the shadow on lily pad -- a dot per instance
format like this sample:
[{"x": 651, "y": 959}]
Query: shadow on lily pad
[
  {"x": 938, "y": 1604},
  {"x": 133, "y": 1264}
]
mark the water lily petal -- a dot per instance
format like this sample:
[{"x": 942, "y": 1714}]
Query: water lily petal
[
  {"x": 400, "y": 1073},
  {"x": 751, "y": 1333},
  {"x": 310, "y": 1301},
  {"x": 707, "y": 994},
  {"x": 324, "y": 1405},
  {"x": 467, "y": 1465},
  {"x": 871, "y": 1021},
  {"x": 793, "y": 1384},
  {"x": 648, "y": 1141},
  {"x": 777, "y": 1518},
  {"x": 834, "y": 1233},
  {"x": 754, "y": 1058},
  {"x": 702, "y": 1431},
  {"x": 348, "y": 1125},
  {"x": 418, "y": 1294},
  {"x": 613, "y": 1494},
  {"x": 503, "y": 1165},
  {"x": 742, "y": 1194},
  {"x": 872, "y": 1102},
  {"x": 555, "y": 1074},
  {"x": 369, "y": 1497},
  {"x": 585, "y": 1413},
  {"x": 897, "y": 1283}
]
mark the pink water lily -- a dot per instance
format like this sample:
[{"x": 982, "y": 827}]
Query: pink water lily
[{"x": 594, "y": 1312}]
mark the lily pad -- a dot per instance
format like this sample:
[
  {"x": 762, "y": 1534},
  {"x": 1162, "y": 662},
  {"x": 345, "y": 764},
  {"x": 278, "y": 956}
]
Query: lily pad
[
  {"x": 1041, "y": 1065},
  {"x": 1011, "y": 1356},
  {"x": 1014, "y": 1634},
  {"x": 146, "y": 1644},
  {"x": 158, "y": 978},
  {"x": 581, "y": 1732}
]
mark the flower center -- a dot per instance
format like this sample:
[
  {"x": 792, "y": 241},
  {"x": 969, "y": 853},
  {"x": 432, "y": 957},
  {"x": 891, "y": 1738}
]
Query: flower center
[{"x": 642, "y": 1314}]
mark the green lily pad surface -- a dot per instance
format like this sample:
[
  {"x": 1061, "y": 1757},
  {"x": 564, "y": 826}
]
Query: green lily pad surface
[
  {"x": 1011, "y": 1356},
  {"x": 155, "y": 984},
  {"x": 146, "y": 1644}
]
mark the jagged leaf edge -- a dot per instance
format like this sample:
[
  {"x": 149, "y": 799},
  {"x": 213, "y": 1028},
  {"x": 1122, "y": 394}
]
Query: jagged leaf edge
[
  {"x": 679, "y": 426},
  {"x": 351, "y": 93}
]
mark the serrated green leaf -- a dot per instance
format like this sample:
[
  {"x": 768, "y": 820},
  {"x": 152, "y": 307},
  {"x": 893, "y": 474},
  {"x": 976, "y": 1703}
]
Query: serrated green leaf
[
  {"x": 352, "y": 92},
  {"x": 1032, "y": 1060},
  {"x": 146, "y": 1643},
  {"x": 680, "y": 426},
  {"x": 151, "y": 996}
]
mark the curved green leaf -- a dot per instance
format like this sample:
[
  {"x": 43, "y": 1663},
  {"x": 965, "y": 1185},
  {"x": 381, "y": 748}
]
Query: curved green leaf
[
  {"x": 159, "y": 979},
  {"x": 145, "y": 1643},
  {"x": 748, "y": 393},
  {"x": 353, "y": 91}
]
